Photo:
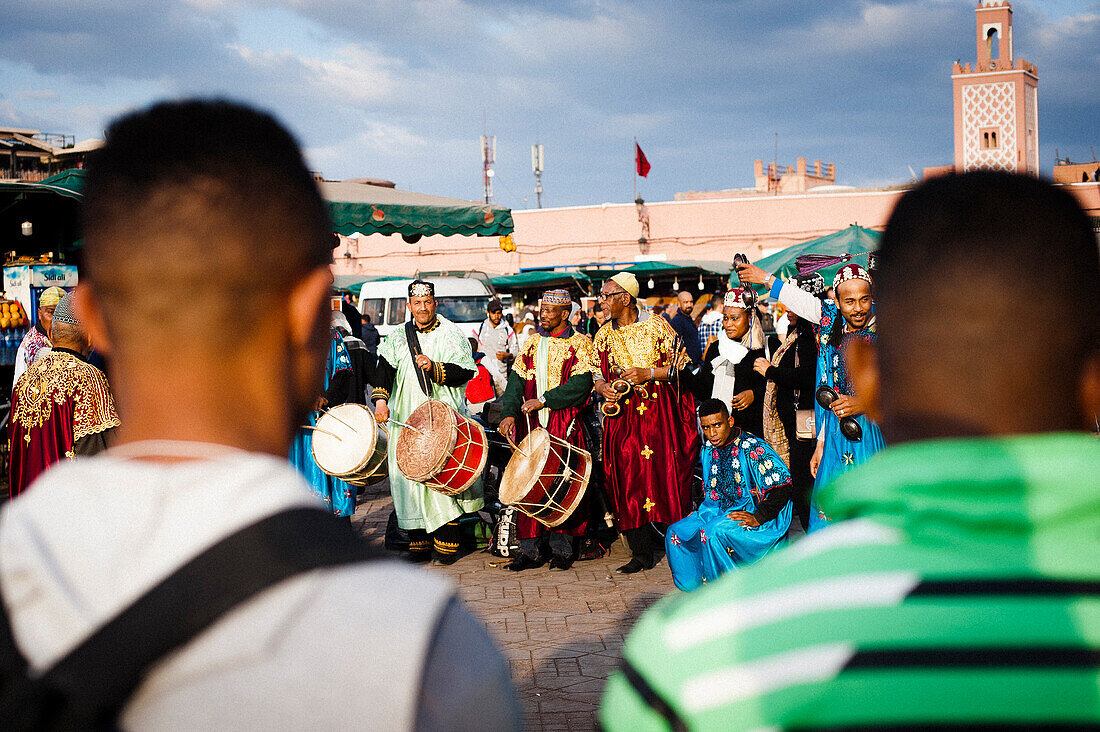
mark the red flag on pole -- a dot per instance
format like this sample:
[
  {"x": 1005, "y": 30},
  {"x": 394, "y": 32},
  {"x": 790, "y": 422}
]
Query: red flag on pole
[{"x": 640, "y": 163}]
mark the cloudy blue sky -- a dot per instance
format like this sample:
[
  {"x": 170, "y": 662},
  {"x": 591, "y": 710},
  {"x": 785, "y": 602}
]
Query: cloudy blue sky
[{"x": 402, "y": 89}]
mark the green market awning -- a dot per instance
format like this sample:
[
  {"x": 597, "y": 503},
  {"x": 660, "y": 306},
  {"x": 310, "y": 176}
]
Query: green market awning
[
  {"x": 354, "y": 283},
  {"x": 52, "y": 206},
  {"x": 854, "y": 240},
  {"x": 361, "y": 207},
  {"x": 371, "y": 209},
  {"x": 540, "y": 278}
]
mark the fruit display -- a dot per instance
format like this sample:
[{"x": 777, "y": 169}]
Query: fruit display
[{"x": 13, "y": 326}]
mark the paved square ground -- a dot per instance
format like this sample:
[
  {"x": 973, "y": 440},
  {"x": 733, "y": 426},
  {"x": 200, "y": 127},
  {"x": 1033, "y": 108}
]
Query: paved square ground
[{"x": 562, "y": 632}]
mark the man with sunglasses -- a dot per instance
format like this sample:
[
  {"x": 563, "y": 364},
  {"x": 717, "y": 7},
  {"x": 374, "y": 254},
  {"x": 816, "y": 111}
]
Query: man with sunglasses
[{"x": 650, "y": 445}]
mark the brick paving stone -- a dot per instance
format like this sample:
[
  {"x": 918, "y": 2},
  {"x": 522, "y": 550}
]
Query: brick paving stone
[{"x": 561, "y": 632}]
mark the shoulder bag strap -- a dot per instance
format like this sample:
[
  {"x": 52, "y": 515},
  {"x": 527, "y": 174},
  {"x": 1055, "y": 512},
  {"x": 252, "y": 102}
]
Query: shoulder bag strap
[
  {"x": 92, "y": 683},
  {"x": 414, "y": 350}
]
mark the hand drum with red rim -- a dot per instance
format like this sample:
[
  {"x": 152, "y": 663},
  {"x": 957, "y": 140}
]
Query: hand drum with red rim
[
  {"x": 546, "y": 478},
  {"x": 445, "y": 451}
]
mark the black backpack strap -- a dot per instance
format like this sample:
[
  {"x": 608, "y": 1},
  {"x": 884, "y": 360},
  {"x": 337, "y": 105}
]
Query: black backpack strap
[{"x": 88, "y": 687}]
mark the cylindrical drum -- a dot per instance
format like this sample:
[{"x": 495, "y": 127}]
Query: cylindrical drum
[
  {"x": 546, "y": 477},
  {"x": 349, "y": 444},
  {"x": 444, "y": 450}
]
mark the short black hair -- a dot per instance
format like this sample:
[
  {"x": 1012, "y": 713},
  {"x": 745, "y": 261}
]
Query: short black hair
[
  {"x": 366, "y": 318},
  {"x": 196, "y": 209},
  {"x": 976, "y": 275},
  {"x": 494, "y": 306},
  {"x": 713, "y": 406}
]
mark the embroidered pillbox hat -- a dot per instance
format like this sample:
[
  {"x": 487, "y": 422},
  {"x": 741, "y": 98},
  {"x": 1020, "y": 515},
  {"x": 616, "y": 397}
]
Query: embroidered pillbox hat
[
  {"x": 64, "y": 312},
  {"x": 850, "y": 272},
  {"x": 556, "y": 297}
]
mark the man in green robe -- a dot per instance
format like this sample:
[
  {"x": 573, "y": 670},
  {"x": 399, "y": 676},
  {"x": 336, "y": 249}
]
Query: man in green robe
[{"x": 436, "y": 365}]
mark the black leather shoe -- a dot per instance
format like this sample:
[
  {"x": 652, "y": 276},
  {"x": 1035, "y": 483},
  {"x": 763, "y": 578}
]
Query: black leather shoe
[
  {"x": 634, "y": 565},
  {"x": 561, "y": 563},
  {"x": 523, "y": 562}
]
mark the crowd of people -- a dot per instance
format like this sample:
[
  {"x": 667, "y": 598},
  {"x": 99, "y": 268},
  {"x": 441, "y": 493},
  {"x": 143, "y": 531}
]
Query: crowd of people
[{"x": 164, "y": 565}]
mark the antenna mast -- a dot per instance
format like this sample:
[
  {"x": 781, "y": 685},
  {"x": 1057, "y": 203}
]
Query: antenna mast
[
  {"x": 536, "y": 168},
  {"x": 488, "y": 157}
]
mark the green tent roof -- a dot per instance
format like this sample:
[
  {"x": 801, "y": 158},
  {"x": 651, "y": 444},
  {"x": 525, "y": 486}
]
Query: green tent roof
[
  {"x": 539, "y": 278},
  {"x": 361, "y": 207},
  {"x": 372, "y": 209},
  {"x": 854, "y": 240},
  {"x": 68, "y": 183}
]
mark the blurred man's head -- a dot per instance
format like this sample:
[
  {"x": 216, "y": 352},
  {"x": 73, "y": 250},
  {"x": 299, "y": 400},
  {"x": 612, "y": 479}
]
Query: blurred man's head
[
  {"x": 975, "y": 276},
  {"x": 495, "y": 311},
  {"x": 206, "y": 239}
]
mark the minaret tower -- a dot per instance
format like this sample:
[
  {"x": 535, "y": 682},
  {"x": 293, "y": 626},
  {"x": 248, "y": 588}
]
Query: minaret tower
[{"x": 996, "y": 101}]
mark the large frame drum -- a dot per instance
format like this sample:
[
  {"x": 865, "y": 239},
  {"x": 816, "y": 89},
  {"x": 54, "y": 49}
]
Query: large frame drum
[
  {"x": 445, "y": 451},
  {"x": 546, "y": 478},
  {"x": 350, "y": 445}
]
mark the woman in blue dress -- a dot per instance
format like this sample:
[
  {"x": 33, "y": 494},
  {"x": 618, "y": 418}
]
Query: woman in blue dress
[{"x": 746, "y": 508}]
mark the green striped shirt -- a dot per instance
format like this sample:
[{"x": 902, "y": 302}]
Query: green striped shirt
[{"x": 963, "y": 589}]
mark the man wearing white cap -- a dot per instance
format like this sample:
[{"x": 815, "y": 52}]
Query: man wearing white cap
[
  {"x": 36, "y": 344},
  {"x": 61, "y": 406},
  {"x": 651, "y": 444}
]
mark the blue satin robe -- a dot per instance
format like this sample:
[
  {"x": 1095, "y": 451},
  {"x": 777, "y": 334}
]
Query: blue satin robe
[
  {"x": 736, "y": 477},
  {"x": 840, "y": 454}
]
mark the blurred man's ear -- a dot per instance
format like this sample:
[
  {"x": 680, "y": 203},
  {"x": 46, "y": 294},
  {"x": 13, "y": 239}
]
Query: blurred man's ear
[
  {"x": 308, "y": 306},
  {"x": 862, "y": 361},
  {"x": 1090, "y": 392},
  {"x": 91, "y": 318}
]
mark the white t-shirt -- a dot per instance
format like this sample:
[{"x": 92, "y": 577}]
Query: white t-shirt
[{"x": 339, "y": 647}]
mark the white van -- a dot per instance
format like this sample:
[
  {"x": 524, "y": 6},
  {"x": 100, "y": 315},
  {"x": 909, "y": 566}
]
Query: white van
[{"x": 460, "y": 300}]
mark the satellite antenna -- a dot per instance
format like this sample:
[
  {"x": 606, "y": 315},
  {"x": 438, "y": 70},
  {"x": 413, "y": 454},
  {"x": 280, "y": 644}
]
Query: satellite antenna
[
  {"x": 488, "y": 157},
  {"x": 536, "y": 168}
]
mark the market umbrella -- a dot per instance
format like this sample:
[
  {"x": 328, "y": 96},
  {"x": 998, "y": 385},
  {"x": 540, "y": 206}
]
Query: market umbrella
[
  {"x": 373, "y": 209},
  {"x": 854, "y": 242}
]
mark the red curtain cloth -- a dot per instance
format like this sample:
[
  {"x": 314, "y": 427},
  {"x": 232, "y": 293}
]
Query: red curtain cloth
[
  {"x": 565, "y": 424},
  {"x": 648, "y": 455},
  {"x": 37, "y": 448}
]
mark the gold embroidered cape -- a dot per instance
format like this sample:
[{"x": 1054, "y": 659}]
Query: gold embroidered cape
[{"x": 61, "y": 377}]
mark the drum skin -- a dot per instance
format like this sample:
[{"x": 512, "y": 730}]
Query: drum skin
[
  {"x": 447, "y": 454},
  {"x": 546, "y": 478},
  {"x": 349, "y": 444}
]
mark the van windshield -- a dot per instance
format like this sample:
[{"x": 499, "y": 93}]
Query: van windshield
[{"x": 463, "y": 308}]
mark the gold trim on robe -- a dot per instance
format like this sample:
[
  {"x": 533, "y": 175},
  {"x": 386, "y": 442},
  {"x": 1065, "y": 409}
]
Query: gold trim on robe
[{"x": 61, "y": 377}]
